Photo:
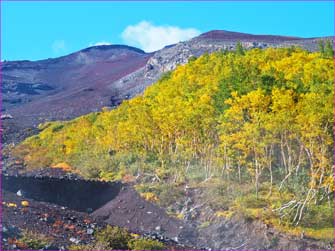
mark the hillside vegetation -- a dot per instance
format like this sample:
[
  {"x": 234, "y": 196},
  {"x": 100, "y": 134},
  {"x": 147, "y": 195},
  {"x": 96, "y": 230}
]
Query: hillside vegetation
[{"x": 261, "y": 119}]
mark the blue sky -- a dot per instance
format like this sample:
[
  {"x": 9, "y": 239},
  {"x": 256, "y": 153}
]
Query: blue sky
[{"x": 37, "y": 30}]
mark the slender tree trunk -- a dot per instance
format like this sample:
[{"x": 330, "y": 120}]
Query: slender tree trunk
[
  {"x": 283, "y": 155},
  {"x": 256, "y": 177},
  {"x": 271, "y": 175},
  {"x": 239, "y": 172}
]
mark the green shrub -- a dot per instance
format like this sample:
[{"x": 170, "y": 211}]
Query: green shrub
[
  {"x": 204, "y": 224},
  {"x": 250, "y": 201},
  {"x": 166, "y": 193},
  {"x": 113, "y": 238},
  {"x": 145, "y": 244},
  {"x": 34, "y": 241},
  {"x": 169, "y": 194},
  {"x": 57, "y": 127},
  {"x": 318, "y": 216},
  {"x": 81, "y": 247}
]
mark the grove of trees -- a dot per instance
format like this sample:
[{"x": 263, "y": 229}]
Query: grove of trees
[{"x": 261, "y": 116}]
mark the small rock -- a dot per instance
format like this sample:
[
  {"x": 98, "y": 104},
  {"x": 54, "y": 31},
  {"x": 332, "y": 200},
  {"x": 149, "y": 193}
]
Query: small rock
[
  {"x": 50, "y": 220},
  {"x": 72, "y": 219},
  {"x": 74, "y": 240}
]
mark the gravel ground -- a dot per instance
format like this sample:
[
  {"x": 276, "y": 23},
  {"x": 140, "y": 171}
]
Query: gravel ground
[
  {"x": 62, "y": 225},
  {"x": 56, "y": 212}
]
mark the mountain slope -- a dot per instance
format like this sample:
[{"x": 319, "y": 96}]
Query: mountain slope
[
  {"x": 68, "y": 86},
  {"x": 169, "y": 57}
]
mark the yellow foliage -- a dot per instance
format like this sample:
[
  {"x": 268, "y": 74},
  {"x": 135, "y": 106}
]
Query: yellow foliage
[
  {"x": 136, "y": 236},
  {"x": 9, "y": 204},
  {"x": 225, "y": 214},
  {"x": 254, "y": 116},
  {"x": 64, "y": 166},
  {"x": 180, "y": 216},
  {"x": 25, "y": 203},
  {"x": 149, "y": 196}
]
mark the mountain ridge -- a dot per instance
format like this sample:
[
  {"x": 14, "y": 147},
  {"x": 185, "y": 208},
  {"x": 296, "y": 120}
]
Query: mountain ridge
[
  {"x": 208, "y": 34},
  {"x": 225, "y": 34}
]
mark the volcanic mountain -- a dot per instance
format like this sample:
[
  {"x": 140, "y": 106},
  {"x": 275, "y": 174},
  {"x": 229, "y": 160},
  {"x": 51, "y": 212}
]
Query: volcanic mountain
[
  {"x": 68, "y": 86},
  {"x": 98, "y": 76}
]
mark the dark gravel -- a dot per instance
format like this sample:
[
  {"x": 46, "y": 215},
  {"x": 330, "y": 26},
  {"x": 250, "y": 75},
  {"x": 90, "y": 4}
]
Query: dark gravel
[
  {"x": 67, "y": 198},
  {"x": 58, "y": 223},
  {"x": 131, "y": 211}
]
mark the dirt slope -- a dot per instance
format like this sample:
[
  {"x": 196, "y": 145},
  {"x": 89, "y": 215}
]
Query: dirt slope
[{"x": 68, "y": 86}]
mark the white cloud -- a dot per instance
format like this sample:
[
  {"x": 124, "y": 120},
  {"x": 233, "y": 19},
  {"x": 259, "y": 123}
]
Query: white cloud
[
  {"x": 151, "y": 38},
  {"x": 58, "y": 47},
  {"x": 100, "y": 43}
]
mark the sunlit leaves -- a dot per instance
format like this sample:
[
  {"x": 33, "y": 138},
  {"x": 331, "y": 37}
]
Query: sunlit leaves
[{"x": 245, "y": 112}]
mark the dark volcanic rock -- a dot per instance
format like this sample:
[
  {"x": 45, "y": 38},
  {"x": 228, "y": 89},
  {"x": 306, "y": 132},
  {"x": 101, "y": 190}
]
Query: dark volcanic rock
[
  {"x": 111, "y": 202},
  {"x": 60, "y": 208},
  {"x": 131, "y": 211},
  {"x": 240, "y": 234},
  {"x": 52, "y": 172},
  {"x": 51, "y": 220},
  {"x": 78, "y": 194}
]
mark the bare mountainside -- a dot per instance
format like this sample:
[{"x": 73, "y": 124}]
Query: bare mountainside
[
  {"x": 68, "y": 86},
  {"x": 87, "y": 80}
]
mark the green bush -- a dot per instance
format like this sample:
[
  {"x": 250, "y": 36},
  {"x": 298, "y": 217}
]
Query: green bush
[
  {"x": 113, "y": 238},
  {"x": 250, "y": 201},
  {"x": 34, "y": 241},
  {"x": 169, "y": 194},
  {"x": 318, "y": 216},
  {"x": 145, "y": 244},
  {"x": 81, "y": 247},
  {"x": 57, "y": 127}
]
